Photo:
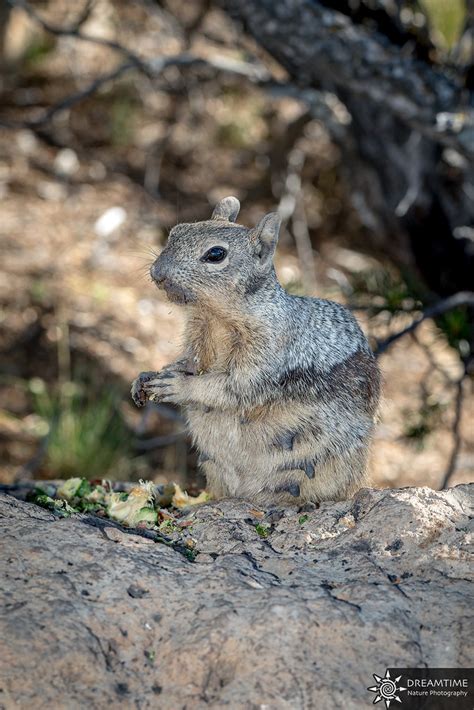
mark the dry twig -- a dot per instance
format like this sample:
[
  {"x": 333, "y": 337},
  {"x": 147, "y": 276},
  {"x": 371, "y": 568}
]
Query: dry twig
[
  {"x": 457, "y": 438},
  {"x": 463, "y": 298}
]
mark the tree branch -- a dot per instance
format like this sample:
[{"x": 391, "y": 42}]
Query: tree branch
[
  {"x": 320, "y": 46},
  {"x": 463, "y": 298},
  {"x": 456, "y": 433},
  {"x": 74, "y": 30},
  {"x": 323, "y": 105},
  {"x": 71, "y": 100}
]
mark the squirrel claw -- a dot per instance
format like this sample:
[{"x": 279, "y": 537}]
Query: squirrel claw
[
  {"x": 138, "y": 388},
  {"x": 148, "y": 385},
  {"x": 164, "y": 387}
]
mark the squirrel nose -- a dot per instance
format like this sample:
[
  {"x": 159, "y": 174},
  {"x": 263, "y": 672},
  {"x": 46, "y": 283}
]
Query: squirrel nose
[{"x": 157, "y": 272}]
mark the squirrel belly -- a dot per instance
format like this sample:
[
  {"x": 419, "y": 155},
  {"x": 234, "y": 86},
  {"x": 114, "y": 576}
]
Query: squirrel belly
[
  {"x": 309, "y": 442},
  {"x": 281, "y": 458},
  {"x": 280, "y": 392}
]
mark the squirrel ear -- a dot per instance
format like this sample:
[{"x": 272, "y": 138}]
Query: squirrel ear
[
  {"x": 227, "y": 209},
  {"x": 266, "y": 235}
]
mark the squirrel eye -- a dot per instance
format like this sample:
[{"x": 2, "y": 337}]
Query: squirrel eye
[{"x": 214, "y": 255}]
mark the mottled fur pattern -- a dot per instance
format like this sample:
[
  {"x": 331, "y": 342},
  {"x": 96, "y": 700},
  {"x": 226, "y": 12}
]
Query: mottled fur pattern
[{"x": 280, "y": 392}]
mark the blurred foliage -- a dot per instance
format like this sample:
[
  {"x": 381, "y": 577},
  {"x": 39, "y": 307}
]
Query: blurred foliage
[
  {"x": 394, "y": 293},
  {"x": 122, "y": 119},
  {"x": 40, "y": 291},
  {"x": 423, "y": 422},
  {"x": 232, "y": 134},
  {"x": 457, "y": 327},
  {"x": 38, "y": 49},
  {"x": 86, "y": 434},
  {"x": 386, "y": 291},
  {"x": 239, "y": 119},
  {"x": 446, "y": 19}
]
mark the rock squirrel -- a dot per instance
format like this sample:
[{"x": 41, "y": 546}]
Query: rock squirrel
[{"x": 280, "y": 392}]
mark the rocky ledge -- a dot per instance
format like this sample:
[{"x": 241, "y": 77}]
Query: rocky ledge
[{"x": 278, "y": 609}]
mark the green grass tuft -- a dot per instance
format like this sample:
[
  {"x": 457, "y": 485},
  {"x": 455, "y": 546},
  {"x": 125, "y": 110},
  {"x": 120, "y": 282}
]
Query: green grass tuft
[{"x": 87, "y": 436}]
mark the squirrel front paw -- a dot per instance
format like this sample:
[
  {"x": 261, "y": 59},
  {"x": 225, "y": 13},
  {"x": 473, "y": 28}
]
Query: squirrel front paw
[
  {"x": 167, "y": 386},
  {"x": 138, "y": 393}
]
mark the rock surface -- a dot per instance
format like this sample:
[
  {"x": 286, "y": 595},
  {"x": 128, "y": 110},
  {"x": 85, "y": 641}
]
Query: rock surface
[{"x": 94, "y": 616}]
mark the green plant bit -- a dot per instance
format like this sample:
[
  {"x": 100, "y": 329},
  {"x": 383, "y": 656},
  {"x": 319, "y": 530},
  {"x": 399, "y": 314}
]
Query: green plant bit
[
  {"x": 169, "y": 526},
  {"x": 190, "y": 554},
  {"x": 137, "y": 508},
  {"x": 262, "y": 530},
  {"x": 150, "y": 655},
  {"x": 58, "y": 507},
  {"x": 303, "y": 519}
]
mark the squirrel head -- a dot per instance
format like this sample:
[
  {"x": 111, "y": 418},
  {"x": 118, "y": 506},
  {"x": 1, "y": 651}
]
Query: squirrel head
[{"x": 216, "y": 260}]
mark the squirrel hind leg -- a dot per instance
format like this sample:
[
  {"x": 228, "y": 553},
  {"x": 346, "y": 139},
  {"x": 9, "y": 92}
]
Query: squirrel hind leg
[
  {"x": 215, "y": 483},
  {"x": 292, "y": 487},
  {"x": 322, "y": 477},
  {"x": 339, "y": 476}
]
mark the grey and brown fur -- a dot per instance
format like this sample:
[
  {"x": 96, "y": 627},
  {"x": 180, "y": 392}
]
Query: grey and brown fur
[{"x": 280, "y": 392}]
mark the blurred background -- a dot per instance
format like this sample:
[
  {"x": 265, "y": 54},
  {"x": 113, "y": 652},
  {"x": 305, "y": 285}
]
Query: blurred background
[{"x": 353, "y": 119}]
